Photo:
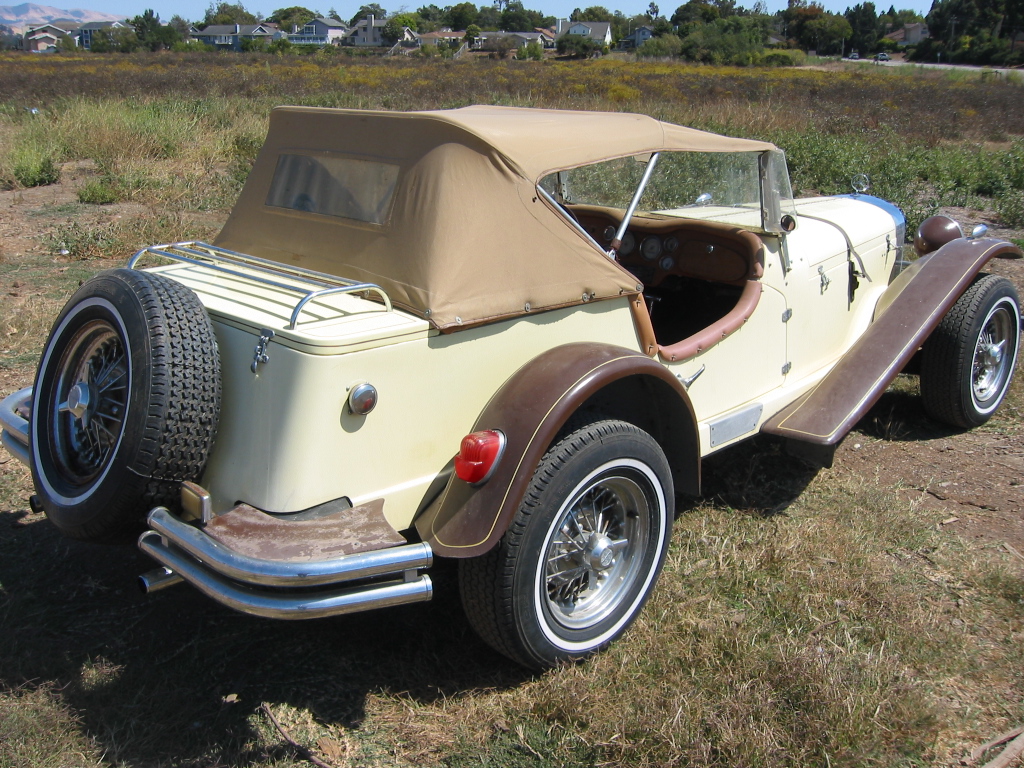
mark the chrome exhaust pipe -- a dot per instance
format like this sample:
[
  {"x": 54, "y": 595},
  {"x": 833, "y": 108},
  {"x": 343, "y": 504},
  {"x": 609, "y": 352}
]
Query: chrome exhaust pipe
[{"x": 157, "y": 579}]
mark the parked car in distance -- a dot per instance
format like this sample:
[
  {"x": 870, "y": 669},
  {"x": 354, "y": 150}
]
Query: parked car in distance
[
  {"x": 883, "y": 56},
  {"x": 503, "y": 336}
]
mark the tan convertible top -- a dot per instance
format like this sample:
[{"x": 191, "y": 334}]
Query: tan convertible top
[{"x": 464, "y": 237}]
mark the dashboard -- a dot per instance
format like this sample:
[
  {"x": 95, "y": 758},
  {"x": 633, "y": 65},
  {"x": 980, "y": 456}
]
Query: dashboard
[{"x": 655, "y": 248}]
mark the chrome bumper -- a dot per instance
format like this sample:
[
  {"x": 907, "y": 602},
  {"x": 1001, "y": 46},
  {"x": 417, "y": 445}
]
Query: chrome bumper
[
  {"x": 283, "y": 589},
  {"x": 14, "y": 425}
]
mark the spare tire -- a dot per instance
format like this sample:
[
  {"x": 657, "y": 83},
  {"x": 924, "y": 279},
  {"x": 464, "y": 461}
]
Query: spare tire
[{"x": 126, "y": 403}]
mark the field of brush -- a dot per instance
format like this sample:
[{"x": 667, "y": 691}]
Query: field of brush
[{"x": 803, "y": 619}]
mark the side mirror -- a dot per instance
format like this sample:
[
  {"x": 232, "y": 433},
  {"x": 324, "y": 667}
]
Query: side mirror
[{"x": 704, "y": 199}]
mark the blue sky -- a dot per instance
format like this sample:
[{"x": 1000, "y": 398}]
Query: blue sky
[{"x": 194, "y": 10}]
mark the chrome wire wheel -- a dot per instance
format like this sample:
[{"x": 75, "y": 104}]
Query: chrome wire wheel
[
  {"x": 592, "y": 554},
  {"x": 89, "y": 402},
  {"x": 994, "y": 355}
]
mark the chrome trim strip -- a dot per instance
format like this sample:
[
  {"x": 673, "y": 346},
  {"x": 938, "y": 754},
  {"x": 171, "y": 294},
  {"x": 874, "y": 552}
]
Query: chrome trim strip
[
  {"x": 211, "y": 257},
  {"x": 216, "y": 557},
  {"x": 282, "y": 605}
]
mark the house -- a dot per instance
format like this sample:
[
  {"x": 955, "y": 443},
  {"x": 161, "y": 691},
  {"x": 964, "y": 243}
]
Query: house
[
  {"x": 494, "y": 40},
  {"x": 914, "y": 33},
  {"x": 636, "y": 38},
  {"x": 910, "y": 34},
  {"x": 46, "y": 37},
  {"x": 546, "y": 35},
  {"x": 87, "y": 31},
  {"x": 446, "y": 36},
  {"x": 367, "y": 32},
  {"x": 598, "y": 31},
  {"x": 319, "y": 31},
  {"x": 229, "y": 37}
]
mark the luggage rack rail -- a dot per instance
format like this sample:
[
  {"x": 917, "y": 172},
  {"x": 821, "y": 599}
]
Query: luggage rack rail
[{"x": 242, "y": 265}]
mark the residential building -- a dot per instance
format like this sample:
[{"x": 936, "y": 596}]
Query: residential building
[
  {"x": 598, "y": 31},
  {"x": 45, "y": 37},
  {"x": 87, "y": 31},
  {"x": 491, "y": 40},
  {"x": 229, "y": 37},
  {"x": 446, "y": 36},
  {"x": 636, "y": 38},
  {"x": 367, "y": 32},
  {"x": 319, "y": 31},
  {"x": 909, "y": 34}
]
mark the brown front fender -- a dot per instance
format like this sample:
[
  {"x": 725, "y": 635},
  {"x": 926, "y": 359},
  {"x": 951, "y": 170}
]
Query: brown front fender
[
  {"x": 905, "y": 316},
  {"x": 531, "y": 408}
]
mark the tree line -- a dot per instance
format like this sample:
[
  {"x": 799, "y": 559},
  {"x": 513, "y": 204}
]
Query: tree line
[{"x": 710, "y": 31}]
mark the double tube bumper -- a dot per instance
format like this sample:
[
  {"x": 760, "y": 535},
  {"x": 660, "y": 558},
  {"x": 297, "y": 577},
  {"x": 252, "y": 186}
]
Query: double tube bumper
[
  {"x": 283, "y": 589},
  {"x": 13, "y": 424}
]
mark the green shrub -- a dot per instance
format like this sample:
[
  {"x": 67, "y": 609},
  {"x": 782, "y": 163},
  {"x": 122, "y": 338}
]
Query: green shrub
[
  {"x": 660, "y": 47},
  {"x": 36, "y": 171},
  {"x": 784, "y": 58},
  {"x": 1010, "y": 208},
  {"x": 98, "y": 192},
  {"x": 78, "y": 242},
  {"x": 244, "y": 149}
]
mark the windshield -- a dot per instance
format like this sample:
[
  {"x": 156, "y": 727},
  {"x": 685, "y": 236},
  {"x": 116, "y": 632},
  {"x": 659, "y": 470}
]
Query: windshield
[{"x": 722, "y": 186}]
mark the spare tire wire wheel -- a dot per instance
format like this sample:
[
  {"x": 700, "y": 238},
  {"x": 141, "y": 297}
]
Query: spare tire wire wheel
[
  {"x": 125, "y": 405},
  {"x": 90, "y": 401}
]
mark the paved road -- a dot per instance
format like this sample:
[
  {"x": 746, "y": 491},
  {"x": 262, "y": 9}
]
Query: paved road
[{"x": 967, "y": 67}]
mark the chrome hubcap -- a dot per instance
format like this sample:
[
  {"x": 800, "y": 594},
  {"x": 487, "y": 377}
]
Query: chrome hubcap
[
  {"x": 89, "y": 402},
  {"x": 991, "y": 366},
  {"x": 593, "y": 555}
]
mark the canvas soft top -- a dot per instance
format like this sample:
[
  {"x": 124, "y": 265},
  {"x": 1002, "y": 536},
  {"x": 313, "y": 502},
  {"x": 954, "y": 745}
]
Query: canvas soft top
[{"x": 464, "y": 237}]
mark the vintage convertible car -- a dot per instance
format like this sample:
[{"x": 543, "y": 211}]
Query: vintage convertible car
[{"x": 506, "y": 336}]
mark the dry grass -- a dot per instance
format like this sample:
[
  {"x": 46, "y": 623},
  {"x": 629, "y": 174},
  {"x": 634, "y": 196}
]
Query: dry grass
[{"x": 802, "y": 619}]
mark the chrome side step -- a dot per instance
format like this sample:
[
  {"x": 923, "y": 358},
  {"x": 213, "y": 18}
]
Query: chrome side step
[{"x": 282, "y": 589}]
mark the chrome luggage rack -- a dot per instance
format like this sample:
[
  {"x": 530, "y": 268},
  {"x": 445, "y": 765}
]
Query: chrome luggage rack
[{"x": 252, "y": 268}]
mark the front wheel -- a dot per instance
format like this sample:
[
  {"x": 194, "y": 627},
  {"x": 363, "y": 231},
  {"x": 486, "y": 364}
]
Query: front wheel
[
  {"x": 583, "y": 552},
  {"x": 968, "y": 361}
]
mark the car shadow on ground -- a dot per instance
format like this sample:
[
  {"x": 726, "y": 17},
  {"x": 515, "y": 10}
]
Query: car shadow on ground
[
  {"x": 174, "y": 676},
  {"x": 901, "y": 417},
  {"x": 756, "y": 477},
  {"x": 759, "y": 476}
]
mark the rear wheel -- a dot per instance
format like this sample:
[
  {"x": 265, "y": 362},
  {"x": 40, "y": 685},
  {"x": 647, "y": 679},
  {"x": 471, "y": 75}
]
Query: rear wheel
[
  {"x": 126, "y": 403},
  {"x": 583, "y": 552},
  {"x": 967, "y": 363}
]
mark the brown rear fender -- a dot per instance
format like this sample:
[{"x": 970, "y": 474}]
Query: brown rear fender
[
  {"x": 599, "y": 380},
  {"x": 905, "y": 315}
]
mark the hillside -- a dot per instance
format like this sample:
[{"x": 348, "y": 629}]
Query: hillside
[{"x": 26, "y": 15}]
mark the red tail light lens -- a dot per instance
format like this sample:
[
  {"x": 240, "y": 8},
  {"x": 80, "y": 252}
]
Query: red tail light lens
[{"x": 478, "y": 456}]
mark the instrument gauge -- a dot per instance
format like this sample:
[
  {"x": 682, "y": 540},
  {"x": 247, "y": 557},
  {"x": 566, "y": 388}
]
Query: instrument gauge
[
  {"x": 671, "y": 244},
  {"x": 651, "y": 248},
  {"x": 628, "y": 244},
  {"x": 667, "y": 262},
  {"x": 609, "y": 233}
]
